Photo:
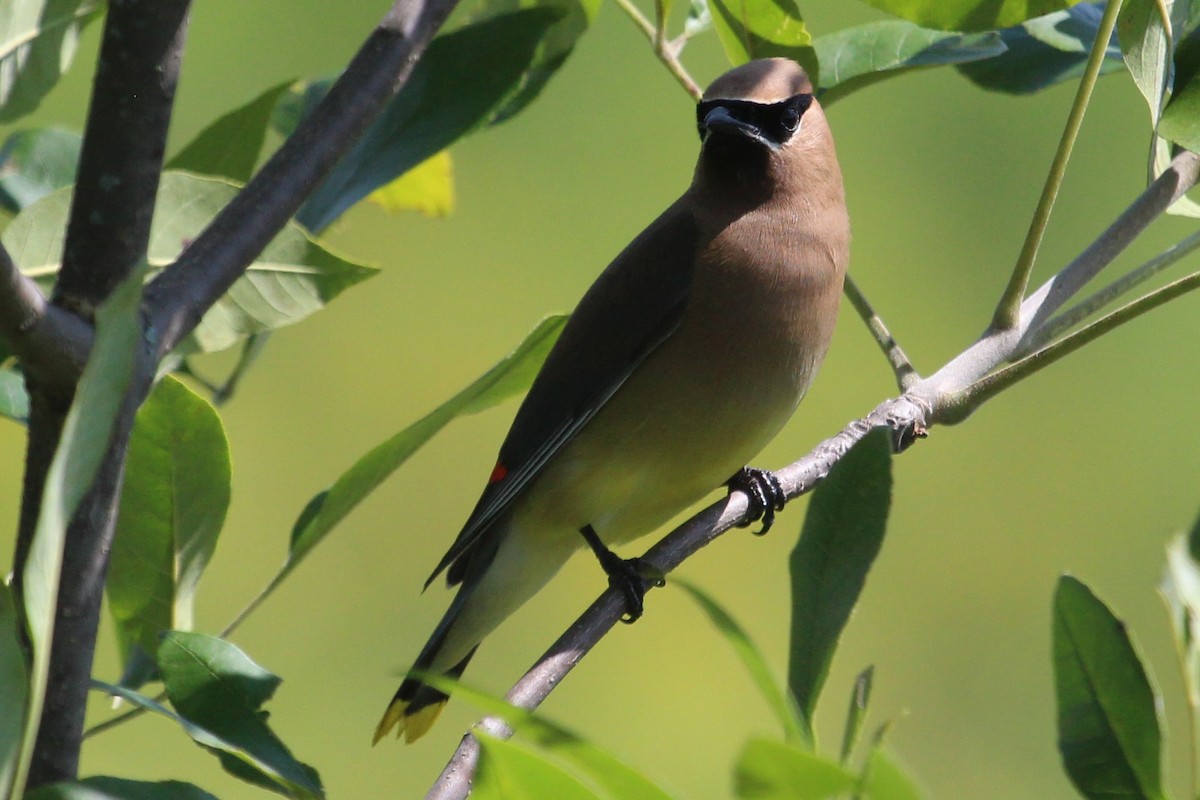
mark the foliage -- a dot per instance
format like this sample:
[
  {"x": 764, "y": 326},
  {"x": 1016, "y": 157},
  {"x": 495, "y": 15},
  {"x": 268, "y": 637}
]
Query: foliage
[{"x": 177, "y": 482}]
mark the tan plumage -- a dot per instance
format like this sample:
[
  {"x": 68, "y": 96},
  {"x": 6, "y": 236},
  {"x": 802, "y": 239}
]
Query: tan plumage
[{"x": 684, "y": 358}]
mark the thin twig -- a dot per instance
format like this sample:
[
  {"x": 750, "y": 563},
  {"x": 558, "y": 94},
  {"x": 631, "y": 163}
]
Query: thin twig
[
  {"x": 662, "y": 47},
  {"x": 906, "y": 376},
  {"x": 178, "y": 298},
  {"x": 1008, "y": 310}
]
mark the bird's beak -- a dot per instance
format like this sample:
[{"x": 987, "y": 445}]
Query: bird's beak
[{"x": 720, "y": 120}]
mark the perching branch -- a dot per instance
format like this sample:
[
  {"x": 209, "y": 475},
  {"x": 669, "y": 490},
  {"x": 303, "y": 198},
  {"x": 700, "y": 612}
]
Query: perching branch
[
  {"x": 906, "y": 416},
  {"x": 967, "y": 381},
  {"x": 177, "y": 299}
]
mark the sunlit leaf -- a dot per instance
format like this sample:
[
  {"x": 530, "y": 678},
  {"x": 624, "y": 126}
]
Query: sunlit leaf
[
  {"x": 217, "y": 687},
  {"x": 1180, "y": 587},
  {"x": 969, "y": 15},
  {"x": 291, "y": 279},
  {"x": 427, "y": 188},
  {"x": 852, "y": 58},
  {"x": 750, "y": 29},
  {"x": 1108, "y": 727},
  {"x": 38, "y": 40},
  {"x": 842, "y": 534},
  {"x": 1180, "y": 120},
  {"x": 887, "y": 780},
  {"x": 770, "y": 770},
  {"x": 1144, "y": 30},
  {"x": 173, "y": 504},
  {"x": 34, "y": 163},
  {"x": 603, "y": 770},
  {"x": 512, "y": 771}
]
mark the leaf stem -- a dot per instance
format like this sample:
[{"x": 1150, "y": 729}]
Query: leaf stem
[
  {"x": 1007, "y": 315},
  {"x": 661, "y": 44}
]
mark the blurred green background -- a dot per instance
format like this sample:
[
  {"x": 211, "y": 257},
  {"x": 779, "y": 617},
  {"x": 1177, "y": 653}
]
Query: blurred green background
[{"x": 1088, "y": 468}]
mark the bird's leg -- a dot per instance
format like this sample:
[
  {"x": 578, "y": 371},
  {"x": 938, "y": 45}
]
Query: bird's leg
[
  {"x": 765, "y": 493},
  {"x": 631, "y": 576}
]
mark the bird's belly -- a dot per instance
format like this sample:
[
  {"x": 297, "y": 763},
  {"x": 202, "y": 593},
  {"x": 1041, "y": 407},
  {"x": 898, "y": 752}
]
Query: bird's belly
[{"x": 676, "y": 430}]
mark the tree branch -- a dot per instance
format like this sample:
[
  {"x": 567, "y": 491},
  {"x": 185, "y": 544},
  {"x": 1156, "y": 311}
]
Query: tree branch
[
  {"x": 906, "y": 375},
  {"x": 906, "y": 416},
  {"x": 123, "y": 145},
  {"x": 177, "y": 299},
  {"x": 107, "y": 236}
]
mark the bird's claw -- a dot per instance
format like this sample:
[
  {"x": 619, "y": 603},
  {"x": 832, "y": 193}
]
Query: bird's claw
[
  {"x": 632, "y": 577},
  {"x": 766, "y": 496}
]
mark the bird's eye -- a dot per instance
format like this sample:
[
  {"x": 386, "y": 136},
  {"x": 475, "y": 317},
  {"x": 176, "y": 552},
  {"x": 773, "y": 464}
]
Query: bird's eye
[{"x": 790, "y": 118}]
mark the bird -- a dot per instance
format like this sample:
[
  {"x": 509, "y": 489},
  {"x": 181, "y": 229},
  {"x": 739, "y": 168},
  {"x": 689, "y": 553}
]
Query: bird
[{"x": 688, "y": 354}]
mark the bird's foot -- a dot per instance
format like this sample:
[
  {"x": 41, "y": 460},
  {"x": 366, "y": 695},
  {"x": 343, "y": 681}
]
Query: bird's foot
[
  {"x": 632, "y": 577},
  {"x": 765, "y": 493}
]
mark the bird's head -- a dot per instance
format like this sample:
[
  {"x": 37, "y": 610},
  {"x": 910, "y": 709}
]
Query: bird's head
[{"x": 761, "y": 129}]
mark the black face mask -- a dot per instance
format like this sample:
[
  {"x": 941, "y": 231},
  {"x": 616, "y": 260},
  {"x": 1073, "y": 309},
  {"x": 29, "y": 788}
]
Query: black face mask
[{"x": 774, "y": 123}]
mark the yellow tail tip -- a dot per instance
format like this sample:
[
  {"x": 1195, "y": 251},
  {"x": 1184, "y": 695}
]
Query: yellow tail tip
[{"x": 409, "y": 726}]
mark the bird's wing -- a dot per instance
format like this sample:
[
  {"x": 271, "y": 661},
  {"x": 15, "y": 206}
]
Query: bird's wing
[{"x": 633, "y": 306}]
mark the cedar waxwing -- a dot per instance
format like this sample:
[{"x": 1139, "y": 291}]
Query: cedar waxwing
[{"x": 684, "y": 358}]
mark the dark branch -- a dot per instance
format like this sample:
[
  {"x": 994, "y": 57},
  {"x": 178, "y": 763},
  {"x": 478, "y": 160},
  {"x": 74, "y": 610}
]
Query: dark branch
[
  {"x": 178, "y": 298},
  {"x": 107, "y": 235},
  {"x": 123, "y": 145},
  {"x": 52, "y": 344}
]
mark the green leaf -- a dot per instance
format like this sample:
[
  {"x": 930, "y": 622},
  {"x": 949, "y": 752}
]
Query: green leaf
[
  {"x": 14, "y": 401},
  {"x": 512, "y": 771},
  {"x": 291, "y": 279},
  {"x": 600, "y": 768},
  {"x": 34, "y": 163},
  {"x": 1180, "y": 588},
  {"x": 887, "y": 780},
  {"x": 754, "y": 662},
  {"x": 1180, "y": 122},
  {"x": 856, "y": 57},
  {"x": 511, "y": 375},
  {"x": 38, "y": 39},
  {"x": 842, "y": 534},
  {"x": 699, "y": 19},
  {"x": 215, "y": 686},
  {"x": 104, "y": 788},
  {"x": 1108, "y": 727},
  {"x": 14, "y": 689},
  {"x": 230, "y": 146},
  {"x": 770, "y": 770},
  {"x": 173, "y": 504},
  {"x": 463, "y": 81},
  {"x": 750, "y": 29},
  {"x": 857, "y": 715},
  {"x": 1045, "y": 51},
  {"x": 557, "y": 43},
  {"x": 969, "y": 15},
  {"x": 1144, "y": 31},
  {"x": 81, "y": 448},
  {"x": 427, "y": 188}
]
